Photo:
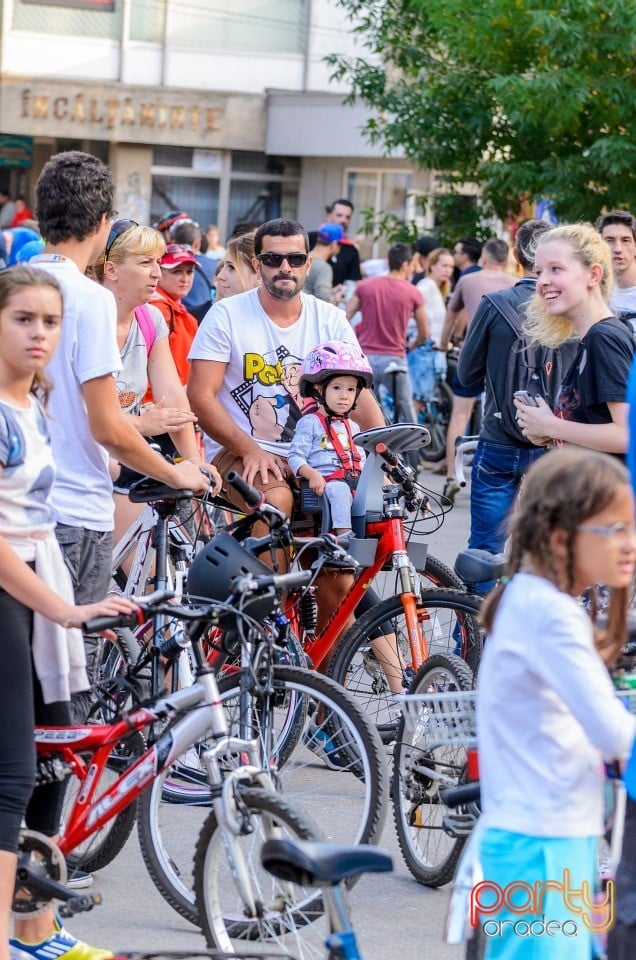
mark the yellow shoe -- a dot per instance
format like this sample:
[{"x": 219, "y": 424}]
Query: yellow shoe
[{"x": 59, "y": 945}]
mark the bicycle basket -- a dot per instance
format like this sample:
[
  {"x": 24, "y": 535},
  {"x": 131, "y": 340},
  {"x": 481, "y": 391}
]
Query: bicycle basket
[{"x": 440, "y": 719}]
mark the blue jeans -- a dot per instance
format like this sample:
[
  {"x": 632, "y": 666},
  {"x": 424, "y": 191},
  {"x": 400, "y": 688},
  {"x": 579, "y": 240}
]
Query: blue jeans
[{"x": 497, "y": 472}]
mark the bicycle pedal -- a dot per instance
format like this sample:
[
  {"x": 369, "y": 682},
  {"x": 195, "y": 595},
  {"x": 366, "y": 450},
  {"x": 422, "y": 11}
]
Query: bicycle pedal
[{"x": 79, "y": 904}]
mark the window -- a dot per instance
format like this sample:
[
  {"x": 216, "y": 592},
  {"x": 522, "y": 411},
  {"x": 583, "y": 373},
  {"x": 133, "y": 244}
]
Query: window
[
  {"x": 257, "y": 26},
  {"x": 147, "y": 20},
  {"x": 381, "y": 191},
  {"x": 41, "y": 18}
]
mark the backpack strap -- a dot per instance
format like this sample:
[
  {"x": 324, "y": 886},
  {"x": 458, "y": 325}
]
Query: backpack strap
[
  {"x": 506, "y": 309},
  {"x": 147, "y": 326}
]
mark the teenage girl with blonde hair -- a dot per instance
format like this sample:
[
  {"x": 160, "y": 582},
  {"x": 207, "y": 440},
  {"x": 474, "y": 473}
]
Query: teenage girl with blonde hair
[{"x": 574, "y": 270}]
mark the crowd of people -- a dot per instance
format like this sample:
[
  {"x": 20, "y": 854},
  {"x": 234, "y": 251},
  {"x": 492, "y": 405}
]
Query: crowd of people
[{"x": 113, "y": 334}]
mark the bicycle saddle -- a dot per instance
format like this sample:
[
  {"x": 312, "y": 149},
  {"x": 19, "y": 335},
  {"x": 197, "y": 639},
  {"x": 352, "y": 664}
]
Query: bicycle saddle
[
  {"x": 150, "y": 491},
  {"x": 395, "y": 366},
  {"x": 315, "y": 864},
  {"x": 478, "y": 566}
]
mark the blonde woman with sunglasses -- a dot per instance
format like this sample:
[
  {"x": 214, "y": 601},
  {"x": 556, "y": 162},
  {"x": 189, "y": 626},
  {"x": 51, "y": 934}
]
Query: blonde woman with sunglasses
[{"x": 131, "y": 269}]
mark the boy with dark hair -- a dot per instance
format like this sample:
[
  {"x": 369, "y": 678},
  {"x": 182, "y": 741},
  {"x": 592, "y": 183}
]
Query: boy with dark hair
[
  {"x": 74, "y": 197},
  {"x": 618, "y": 229}
]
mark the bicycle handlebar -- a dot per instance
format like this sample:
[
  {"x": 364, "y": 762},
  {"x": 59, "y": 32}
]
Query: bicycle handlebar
[
  {"x": 277, "y": 581},
  {"x": 253, "y": 497},
  {"x": 159, "y": 601}
]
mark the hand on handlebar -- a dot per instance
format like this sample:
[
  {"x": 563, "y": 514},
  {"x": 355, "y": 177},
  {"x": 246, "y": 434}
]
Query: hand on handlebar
[
  {"x": 188, "y": 476},
  {"x": 111, "y": 606}
]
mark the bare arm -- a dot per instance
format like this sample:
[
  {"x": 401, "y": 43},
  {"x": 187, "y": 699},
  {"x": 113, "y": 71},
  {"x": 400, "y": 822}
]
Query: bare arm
[
  {"x": 423, "y": 329},
  {"x": 165, "y": 382},
  {"x": 114, "y": 430},
  {"x": 450, "y": 321},
  {"x": 206, "y": 379},
  {"x": 353, "y": 305},
  {"x": 539, "y": 422},
  {"x": 19, "y": 580}
]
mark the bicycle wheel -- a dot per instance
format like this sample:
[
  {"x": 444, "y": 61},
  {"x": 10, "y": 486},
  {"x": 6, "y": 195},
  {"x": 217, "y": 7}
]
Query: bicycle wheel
[
  {"x": 104, "y": 845},
  {"x": 186, "y": 781},
  {"x": 117, "y": 688},
  {"x": 372, "y": 660},
  {"x": 430, "y": 852},
  {"x": 435, "y": 417},
  {"x": 347, "y": 800},
  {"x": 287, "y": 914}
]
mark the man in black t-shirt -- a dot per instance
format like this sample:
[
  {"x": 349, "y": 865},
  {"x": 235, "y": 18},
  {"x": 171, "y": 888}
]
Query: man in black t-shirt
[{"x": 346, "y": 264}]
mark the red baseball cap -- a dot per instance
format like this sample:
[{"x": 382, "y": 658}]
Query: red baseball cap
[{"x": 176, "y": 254}]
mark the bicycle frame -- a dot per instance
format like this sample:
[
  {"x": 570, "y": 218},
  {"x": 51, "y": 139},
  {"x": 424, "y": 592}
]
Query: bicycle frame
[
  {"x": 391, "y": 547},
  {"x": 90, "y": 813}
]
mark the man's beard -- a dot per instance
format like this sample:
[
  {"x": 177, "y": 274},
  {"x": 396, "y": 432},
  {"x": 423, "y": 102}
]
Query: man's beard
[{"x": 287, "y": 292}]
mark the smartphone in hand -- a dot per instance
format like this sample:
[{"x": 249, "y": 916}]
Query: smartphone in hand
[{"x": 524, "y": 397}]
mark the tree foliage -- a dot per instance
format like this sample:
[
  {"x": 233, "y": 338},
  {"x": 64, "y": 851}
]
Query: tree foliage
[{"x": 525, "y": 98}]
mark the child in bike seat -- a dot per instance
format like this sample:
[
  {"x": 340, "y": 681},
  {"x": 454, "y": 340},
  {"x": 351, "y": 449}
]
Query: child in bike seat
[
  {"x": 547, "y": 713},
  {"x": 322, "y": 451}
]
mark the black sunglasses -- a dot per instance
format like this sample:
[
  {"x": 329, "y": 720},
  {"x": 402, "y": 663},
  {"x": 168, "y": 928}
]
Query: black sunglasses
[
  {"x": 116, "y": 230},
  {"x": 178, "y": 248},
  {"x": 276, "y": 259}
]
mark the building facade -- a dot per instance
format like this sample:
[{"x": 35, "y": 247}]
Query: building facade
[{"x": 222, "y": 108}]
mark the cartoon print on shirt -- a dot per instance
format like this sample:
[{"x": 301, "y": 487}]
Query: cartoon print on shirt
[{"x": 266, "y": 410}]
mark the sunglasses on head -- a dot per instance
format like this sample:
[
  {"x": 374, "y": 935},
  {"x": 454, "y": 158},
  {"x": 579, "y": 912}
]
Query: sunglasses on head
[
  {"x": 276, "y": 259},
  {"x": 178, "y": 248},
  {"x": 116, "y": 230}
]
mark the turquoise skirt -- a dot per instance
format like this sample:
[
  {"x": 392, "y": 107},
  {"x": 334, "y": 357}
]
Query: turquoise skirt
[{"x": 522, "y": 918}]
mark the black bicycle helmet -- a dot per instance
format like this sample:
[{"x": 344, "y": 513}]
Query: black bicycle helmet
[{"x": 216, "y": 567}]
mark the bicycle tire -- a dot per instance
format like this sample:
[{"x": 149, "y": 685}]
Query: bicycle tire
[
  {"x": 189, "y": 785},
  {"x": 118, "y": 656},
  {"x": 220, "y": 907},
  {"x": 102, "y": 847},
  {"x": 351, "y": 803},
  {"x": 436, "y": 421},
  {"x": 429, "y": 852},
  {"x": 449, "y": 620}
]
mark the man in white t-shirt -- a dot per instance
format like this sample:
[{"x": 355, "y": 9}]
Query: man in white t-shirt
[
  {"x": 74, "y": 205},
  {"x": 239, "y": 384},
  {"x": 618, "y": 229}
]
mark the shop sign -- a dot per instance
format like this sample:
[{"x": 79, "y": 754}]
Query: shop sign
[
  {"x": 15, "y": 151},
  {"x": 121, "y": 112}
]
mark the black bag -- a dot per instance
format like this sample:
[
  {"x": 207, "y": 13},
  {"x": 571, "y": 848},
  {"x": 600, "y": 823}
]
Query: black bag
[{"x": 531, "y": 367}]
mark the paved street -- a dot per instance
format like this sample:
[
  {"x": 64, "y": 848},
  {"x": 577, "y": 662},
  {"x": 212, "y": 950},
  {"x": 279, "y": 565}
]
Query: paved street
[{"x": 395, "y": 917}]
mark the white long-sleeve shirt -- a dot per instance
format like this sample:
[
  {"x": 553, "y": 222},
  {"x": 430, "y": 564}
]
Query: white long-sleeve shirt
[{"x": 547, "y": 714}]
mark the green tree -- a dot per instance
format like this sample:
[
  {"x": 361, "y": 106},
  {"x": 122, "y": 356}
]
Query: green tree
[{"x": 525, "y": 98}]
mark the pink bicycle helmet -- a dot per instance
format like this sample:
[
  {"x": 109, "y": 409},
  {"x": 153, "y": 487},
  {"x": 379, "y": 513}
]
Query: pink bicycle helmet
[{"x": 331, "y": 359}]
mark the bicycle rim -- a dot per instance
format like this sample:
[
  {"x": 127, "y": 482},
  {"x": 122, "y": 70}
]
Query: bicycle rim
[
  {"x": 430, "y": 853},
  {"x": 347, "y": 803},
  {"x": 289, "y": 914},
  {"x": 373, "y": 659}
]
